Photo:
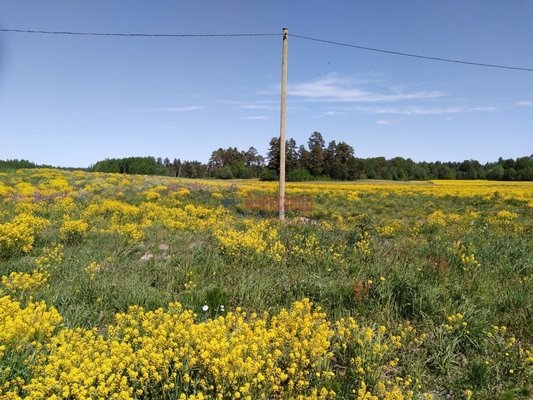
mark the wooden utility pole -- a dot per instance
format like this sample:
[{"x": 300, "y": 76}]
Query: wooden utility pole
[{"x": 281, "y": 198}]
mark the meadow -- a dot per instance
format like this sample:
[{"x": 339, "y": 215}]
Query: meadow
[{"x": 143, "y": 287}]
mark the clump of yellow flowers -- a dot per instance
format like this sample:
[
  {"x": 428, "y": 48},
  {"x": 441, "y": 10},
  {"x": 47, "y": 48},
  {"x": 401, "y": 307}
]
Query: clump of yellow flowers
[
  {"x": 465, "y": 255},
  {"x": 20, "y": 283},
  {"x": 25, "y": 330},
  {"x": 254, "y": 238},
  {"x": 165, "y": 354},
  {"x": 73, "y": 231},
  {"x": 18, "y": 235}
]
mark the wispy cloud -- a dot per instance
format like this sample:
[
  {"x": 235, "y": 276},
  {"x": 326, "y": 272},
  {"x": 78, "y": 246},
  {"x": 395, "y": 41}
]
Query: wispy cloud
[
  {"x": 255, "y": 104},
  {"x": 419, "y": 110},
  {"x": 258, "y": 107},
  {"x": 525, "y": 103},
  {"x": 256, "y": 117},
  {"x": 330, "y": 114},
  {"x": 336, "y": 88},
  {"x": 344, "y": 95},
  {"x": 385, "y": 122},
  {"x": 142, "y": 110},
  {"x": 167, "y": 109}
]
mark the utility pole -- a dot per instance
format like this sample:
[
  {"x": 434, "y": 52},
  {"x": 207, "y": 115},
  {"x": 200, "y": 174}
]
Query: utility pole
[{"x": 281, "y": 197}]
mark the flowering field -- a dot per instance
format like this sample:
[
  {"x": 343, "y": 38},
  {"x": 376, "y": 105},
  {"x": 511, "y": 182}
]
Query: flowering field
[{"x": 136, "y": 287}]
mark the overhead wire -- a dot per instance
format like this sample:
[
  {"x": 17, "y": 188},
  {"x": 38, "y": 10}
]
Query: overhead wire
[
  {"x": 400, "y": 53},
  {"x": 292, "y": 35},
  {"x": 186, "y": 35}
]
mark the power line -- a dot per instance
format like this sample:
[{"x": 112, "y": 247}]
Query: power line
[
  {"x": 156, "y": 35},
  {"x": 193, "y": 35},
  {"x": 399, "y": 53}
]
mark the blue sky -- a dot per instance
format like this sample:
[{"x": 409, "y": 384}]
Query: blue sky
[{"x": 73, "y": 100}]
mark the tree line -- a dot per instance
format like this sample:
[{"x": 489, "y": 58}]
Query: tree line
[
  {"x": 313, "y": 161},
  {"x": 318, "y": 161},
  {"x": 16, "y": 164}
]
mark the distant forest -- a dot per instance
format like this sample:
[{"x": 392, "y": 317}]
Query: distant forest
[{"x": 316, "y": 161}]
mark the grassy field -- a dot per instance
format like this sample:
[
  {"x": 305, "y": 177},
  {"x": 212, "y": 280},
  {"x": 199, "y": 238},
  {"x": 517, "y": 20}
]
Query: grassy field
[{"x": 137, "y": 287}]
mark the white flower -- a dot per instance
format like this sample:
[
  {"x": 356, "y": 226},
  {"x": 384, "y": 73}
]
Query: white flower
[
  {"x": 205, "y": 307},
  {"x": 222, "y": 308}
]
